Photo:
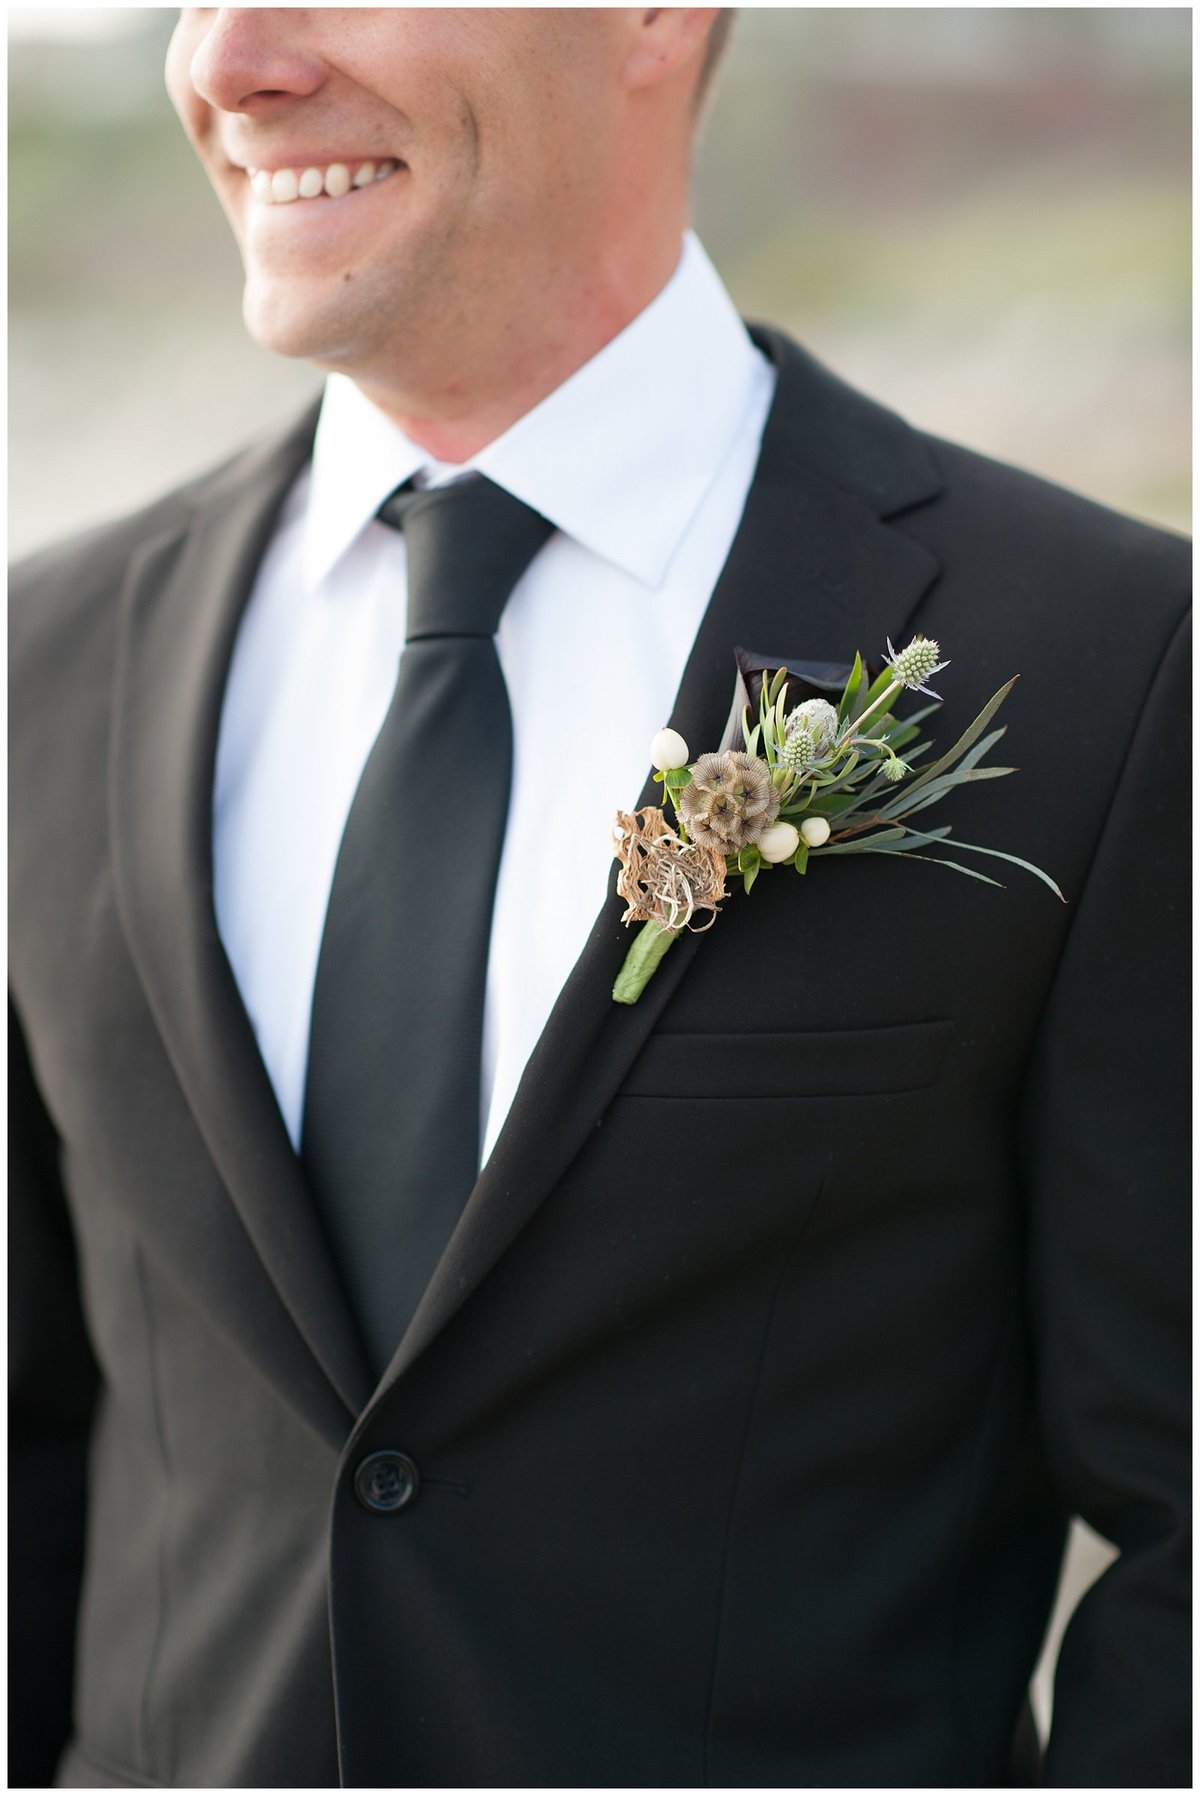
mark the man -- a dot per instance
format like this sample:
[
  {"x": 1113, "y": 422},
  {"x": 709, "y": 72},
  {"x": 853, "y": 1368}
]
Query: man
[{"x": 725, "y": 1429}]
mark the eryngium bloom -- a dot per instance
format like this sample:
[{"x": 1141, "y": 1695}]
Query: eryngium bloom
[
  {"x": 798, "y": 750},
  {"x": 916, "y": 664},
  {"x": 729, "y": 802},
  {"x": 662, "y": 879}
]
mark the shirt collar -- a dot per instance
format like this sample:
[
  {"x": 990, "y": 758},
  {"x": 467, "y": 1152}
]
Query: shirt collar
[{"x": 619, "y": 456}]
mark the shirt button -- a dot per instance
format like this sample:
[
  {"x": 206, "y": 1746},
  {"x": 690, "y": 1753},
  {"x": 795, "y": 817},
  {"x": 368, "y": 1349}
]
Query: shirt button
[{"x": 385, "y": 1482}]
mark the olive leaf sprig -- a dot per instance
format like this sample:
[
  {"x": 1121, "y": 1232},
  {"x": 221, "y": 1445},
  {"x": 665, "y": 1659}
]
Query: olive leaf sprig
[{"x": 813, "y": 780}]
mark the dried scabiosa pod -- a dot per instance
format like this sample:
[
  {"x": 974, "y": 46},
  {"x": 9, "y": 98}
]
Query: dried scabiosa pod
[{"x": 730, "y": 801}]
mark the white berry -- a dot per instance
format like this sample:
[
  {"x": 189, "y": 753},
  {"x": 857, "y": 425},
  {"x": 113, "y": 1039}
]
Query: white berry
[
  {"x": 668, "y": 751},
  {"x": 815, "y": 831},
  {"x": 779, "y": 843}
]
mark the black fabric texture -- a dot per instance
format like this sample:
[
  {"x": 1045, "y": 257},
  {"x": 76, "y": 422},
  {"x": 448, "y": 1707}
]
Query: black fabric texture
[
  {"x": 391, "y": 1126},
  {"x": 798, "y": 1307}
]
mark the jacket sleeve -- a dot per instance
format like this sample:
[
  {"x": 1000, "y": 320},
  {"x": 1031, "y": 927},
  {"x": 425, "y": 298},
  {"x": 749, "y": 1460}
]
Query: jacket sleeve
[
  {"x": 53, "y": 1382},
  {"x": 1105, "y": 1139}
]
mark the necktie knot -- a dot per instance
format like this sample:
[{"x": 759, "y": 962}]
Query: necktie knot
[{"x": 468, "y": 543}]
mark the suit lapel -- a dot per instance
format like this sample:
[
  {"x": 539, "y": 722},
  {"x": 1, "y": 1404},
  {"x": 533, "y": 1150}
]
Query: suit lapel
[
  {"x": 180, "y": 611},
  {"x": 814, "y": 572}
]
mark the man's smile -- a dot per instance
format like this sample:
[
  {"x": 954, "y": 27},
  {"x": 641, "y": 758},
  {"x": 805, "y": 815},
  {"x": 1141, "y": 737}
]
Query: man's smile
[{"x": 279, "y": 186}]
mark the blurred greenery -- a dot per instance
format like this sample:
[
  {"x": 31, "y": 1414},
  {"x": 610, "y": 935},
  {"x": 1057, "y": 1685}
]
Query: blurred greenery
[{"x": 981, "y": 215}]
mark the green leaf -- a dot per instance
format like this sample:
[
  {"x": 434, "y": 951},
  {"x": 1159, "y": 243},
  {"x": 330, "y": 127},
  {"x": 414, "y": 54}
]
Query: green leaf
[
  {"x": 936, "y": 860},
  {"x": 800, "y": 858},
  {"x": 862, "y": 844},
  {"x": 678, "y": 778},
  {"x": 749, "y": 864},
  {"x": 906, "y": 728},
  {"x": 913, "y": 837},
  {"x": 969, "y": 736},
  {"x": 844, "y": 777},
  {"x": 853, "y": 688},
  {"x": 1000, "y": 855},
  {"x": 879, "y": 685},
  {"x": 778, "y": 681},
  {"x": 843, "y": 806},
  {"x": 936, "y": 793},
  {"x": 930, "y": 780}
]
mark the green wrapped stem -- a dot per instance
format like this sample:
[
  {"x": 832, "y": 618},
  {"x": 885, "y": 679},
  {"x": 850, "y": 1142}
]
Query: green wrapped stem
[{"x": 649, "y": 945}]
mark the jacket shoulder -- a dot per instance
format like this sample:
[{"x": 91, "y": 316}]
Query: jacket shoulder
[
  {"x": 1044, "y": 538},
  {"x": 1080, "y": 575},
  {"x": 988, "y": 523},
  {"x": 73, "y": 584}
]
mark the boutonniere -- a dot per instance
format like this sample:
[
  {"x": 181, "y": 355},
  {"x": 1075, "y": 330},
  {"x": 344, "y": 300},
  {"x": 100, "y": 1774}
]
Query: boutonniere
[{"x": 809, "y": 780}]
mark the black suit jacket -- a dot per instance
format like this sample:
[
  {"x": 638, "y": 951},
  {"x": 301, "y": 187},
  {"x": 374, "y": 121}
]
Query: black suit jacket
[{"x": 797, "y": 1308}]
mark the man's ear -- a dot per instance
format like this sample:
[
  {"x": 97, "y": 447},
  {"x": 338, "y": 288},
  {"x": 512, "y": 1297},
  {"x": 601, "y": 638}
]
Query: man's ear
[{"x": 664, "y": 41}]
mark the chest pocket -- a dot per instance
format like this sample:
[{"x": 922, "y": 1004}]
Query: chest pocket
[{"x": 816, "y": 1063}]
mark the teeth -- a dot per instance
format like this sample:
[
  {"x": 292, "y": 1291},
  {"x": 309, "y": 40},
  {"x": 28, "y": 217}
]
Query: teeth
[{"x": 280, "y": 186}]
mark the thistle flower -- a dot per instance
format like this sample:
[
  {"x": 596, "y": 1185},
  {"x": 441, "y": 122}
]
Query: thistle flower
[
  {"x": 818, "y": 719},
  {"x": 730, "y": 801},
  {"x": 798, "y": 751},
  {"x": 894, "y": 769},
  {"x": 916, "y": 664}
]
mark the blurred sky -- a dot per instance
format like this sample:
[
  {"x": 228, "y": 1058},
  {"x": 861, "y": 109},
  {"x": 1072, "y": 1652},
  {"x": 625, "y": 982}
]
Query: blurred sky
[{"x": 980, "y": 215}]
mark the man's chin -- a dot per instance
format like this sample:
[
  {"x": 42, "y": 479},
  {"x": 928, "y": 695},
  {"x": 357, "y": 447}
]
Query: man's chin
[{"x": 320, "y": 333}]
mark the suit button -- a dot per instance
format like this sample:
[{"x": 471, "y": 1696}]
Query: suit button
[{"x": 385, "y": 1482}]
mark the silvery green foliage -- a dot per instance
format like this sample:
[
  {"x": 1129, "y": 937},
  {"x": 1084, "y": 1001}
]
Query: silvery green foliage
[{"x": 851, "y": 778}]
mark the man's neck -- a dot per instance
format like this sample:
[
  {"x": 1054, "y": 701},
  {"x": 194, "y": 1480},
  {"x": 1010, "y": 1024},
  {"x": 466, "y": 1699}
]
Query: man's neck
[{"x": 455, "y": 417}]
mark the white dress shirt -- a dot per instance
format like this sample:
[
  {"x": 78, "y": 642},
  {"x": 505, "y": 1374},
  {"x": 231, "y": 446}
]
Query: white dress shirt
[{"x": 642, "y": 459}]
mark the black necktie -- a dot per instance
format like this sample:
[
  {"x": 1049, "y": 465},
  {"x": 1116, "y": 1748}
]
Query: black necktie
[{"x": 390, "y": 1136}]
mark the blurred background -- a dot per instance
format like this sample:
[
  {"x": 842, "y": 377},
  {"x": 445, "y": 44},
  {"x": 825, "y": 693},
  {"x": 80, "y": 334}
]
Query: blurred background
[{"x": 980, "y": 215}]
